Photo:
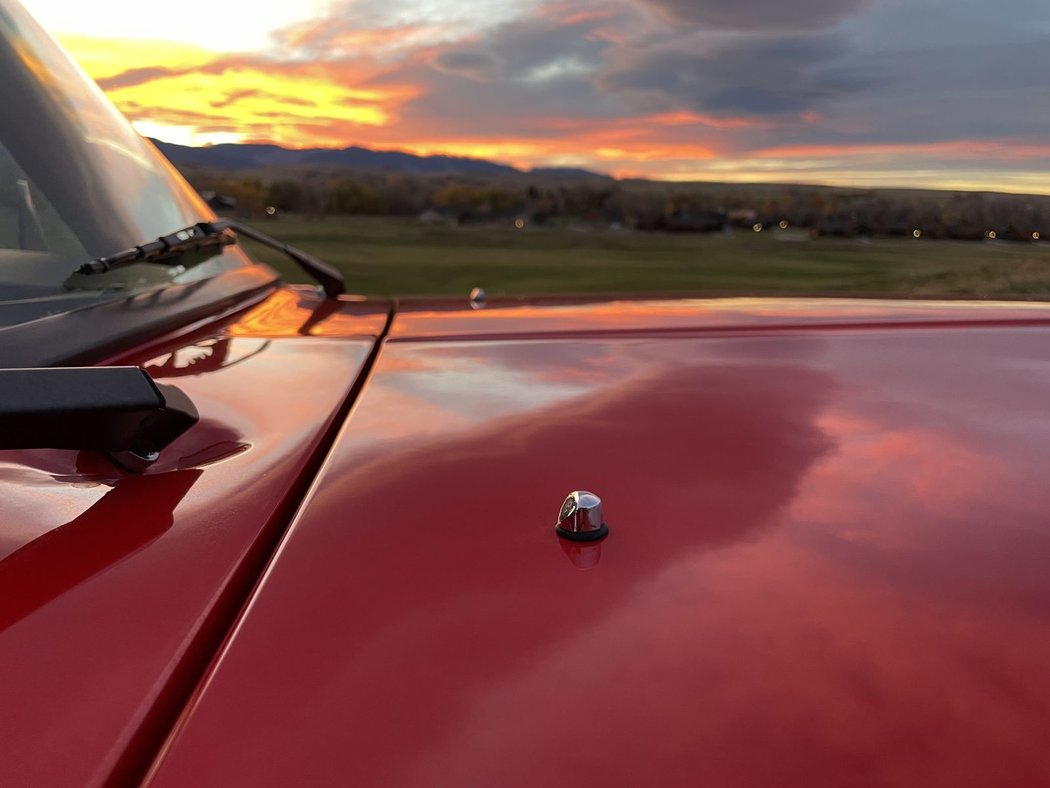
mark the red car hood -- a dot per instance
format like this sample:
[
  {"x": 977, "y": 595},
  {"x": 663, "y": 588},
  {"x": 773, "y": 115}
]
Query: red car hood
[{"x": 827, "y": 562}]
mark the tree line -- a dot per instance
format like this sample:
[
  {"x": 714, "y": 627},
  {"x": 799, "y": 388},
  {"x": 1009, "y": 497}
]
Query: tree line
[{"x": 639, "y": 205}]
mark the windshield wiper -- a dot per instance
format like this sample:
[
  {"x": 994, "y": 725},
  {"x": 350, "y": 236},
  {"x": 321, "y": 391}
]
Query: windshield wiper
[{"x": 207, "y": 235}]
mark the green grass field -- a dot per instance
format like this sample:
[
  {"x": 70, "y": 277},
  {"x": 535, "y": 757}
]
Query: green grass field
[{"x": 387, "y": 256}]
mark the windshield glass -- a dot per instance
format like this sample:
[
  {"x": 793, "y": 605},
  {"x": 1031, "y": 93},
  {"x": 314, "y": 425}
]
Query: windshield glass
[{"x": 76, "y": 181}]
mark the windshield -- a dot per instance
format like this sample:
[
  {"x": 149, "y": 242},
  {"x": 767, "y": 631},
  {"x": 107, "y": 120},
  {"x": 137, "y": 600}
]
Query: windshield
[{"x": 76, "y": 181}]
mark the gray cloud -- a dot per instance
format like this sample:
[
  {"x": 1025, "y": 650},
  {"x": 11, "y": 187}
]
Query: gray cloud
[
  {"x": 760, "y": 75},
  {"x": 426, "y": 23},
  {"x": 758, "y": 14},
  {"x": 467, "y": 62},
  {"x": 500, "y": 108},
  {"x": 516, "y": 78},
  {"x": 519, "y": 50}
]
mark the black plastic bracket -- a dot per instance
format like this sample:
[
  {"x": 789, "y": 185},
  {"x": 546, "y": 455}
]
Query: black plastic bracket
[{"x": 117, "y": 410}]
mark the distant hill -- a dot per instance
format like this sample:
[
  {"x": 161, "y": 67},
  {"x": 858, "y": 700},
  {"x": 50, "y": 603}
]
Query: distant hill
[{"x": 234, "y": 156}]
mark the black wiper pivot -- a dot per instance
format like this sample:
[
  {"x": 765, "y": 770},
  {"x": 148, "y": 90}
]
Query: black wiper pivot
[
  {"x": 205, "y": 235},
  {"x": 117, "y": 410}
]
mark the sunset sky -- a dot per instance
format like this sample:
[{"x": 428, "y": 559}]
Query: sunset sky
[{"x": 947, "y": 93}]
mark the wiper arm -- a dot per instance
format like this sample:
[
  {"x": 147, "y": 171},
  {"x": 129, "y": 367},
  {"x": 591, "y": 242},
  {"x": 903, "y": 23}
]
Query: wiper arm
[
  {"x": 207, "y": 235},
  {"x": 329, "y": 277}
]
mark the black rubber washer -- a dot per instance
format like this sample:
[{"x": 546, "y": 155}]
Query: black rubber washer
[{"x": 583, "y": 536}]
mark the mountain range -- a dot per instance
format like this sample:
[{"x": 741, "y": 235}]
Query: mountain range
[{"x": 234, "y": 156}]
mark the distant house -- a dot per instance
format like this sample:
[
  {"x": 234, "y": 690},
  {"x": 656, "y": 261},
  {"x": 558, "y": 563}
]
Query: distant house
[
  {"x": 896, "y": 228},
  {"x": 472, "y": 216},
  {"x": 1016, "y": 233},
  {"x": 696, "y": 222},
  {"x": 742, "y": 217},
  {"x": 220, "y": 203},
  {"x": 958, "y": 231},
  {"x": 836, "y": 228},
  {"x": 435, "y": 218}
]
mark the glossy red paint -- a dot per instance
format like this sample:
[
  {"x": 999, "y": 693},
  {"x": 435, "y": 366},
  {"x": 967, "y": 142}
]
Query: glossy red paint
[
  {"x": 299, "y": 311},
  {"x": 117, "y": 588},
  {"x": 827, "y": 564},
  {"x": 521, "y": 319}
]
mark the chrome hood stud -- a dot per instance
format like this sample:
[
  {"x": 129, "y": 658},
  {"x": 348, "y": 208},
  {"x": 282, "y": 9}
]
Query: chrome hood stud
[{"x": 580, "y": 519}]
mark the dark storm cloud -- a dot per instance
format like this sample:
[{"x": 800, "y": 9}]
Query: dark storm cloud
[
  {"x": 761, "y": 75},
  {"x": 758, "y": 14}
]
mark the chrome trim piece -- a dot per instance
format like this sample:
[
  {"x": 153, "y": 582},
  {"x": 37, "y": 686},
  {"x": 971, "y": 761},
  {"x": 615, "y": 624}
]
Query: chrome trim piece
[{"x": 580, "y": 518}]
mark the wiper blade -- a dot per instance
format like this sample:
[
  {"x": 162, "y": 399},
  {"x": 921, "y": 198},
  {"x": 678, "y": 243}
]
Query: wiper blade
[{"x": 206, "y": 235}]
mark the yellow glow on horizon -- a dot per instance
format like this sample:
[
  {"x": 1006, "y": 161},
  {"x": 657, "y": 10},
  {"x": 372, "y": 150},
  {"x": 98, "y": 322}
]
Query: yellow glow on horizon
[
  {"x": 502, "y": 151},
  {"x": 185, "y": 135},
  {"x": 189, "y": 95},
  {"x": 248, "y": 94},
  {"x": 186, "y": 108}
]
